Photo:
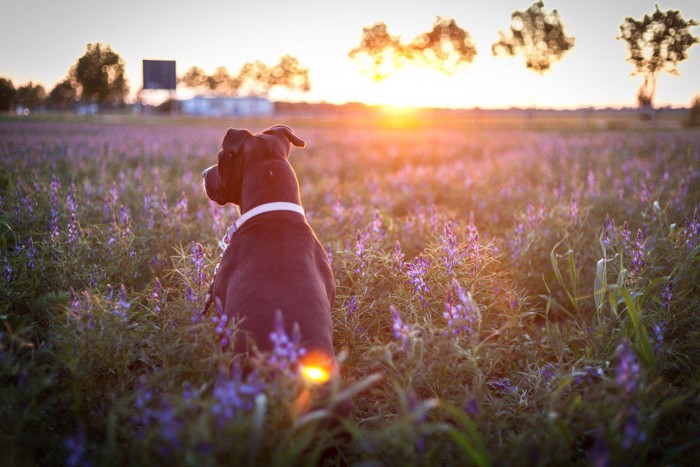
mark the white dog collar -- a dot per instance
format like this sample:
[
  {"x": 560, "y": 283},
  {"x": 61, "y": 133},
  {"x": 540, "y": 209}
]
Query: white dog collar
[{"x": 263, "y": 208}]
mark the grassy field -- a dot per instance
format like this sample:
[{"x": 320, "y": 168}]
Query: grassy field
[{"x": 506, "y": 295}]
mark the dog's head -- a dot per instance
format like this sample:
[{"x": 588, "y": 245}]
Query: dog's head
[{"x": 240, "y": 149}]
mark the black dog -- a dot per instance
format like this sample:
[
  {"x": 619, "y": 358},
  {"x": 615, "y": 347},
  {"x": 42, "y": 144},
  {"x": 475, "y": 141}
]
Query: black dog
[{"x": 274, "y": 260}]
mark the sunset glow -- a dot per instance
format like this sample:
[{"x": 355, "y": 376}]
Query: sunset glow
[{"x": 320, "y": 35}]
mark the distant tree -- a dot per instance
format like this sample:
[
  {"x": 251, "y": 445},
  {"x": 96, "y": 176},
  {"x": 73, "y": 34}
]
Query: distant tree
[
  {"x": 290, "y": 74},
  {"x": 379, "y": 53},
  {"x": 8, "y": 95},
  {"x": 195, "y": 78},
  {"x": 254, "y": 78},
  {"x": 536, "y": 34},
  {"x": 31, "y": 95},
  {"x": 63, "y": 95},
  {"x": 100, "y": 74},
  {"x": 694, "y": 113},
  {"x": 656, "y": 43},
  {"x": 222, "y": 82},
  {"x": 446, "y": 47}
]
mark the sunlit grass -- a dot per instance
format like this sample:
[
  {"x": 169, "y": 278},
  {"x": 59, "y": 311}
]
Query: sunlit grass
[{"x": 503, "y": 296}]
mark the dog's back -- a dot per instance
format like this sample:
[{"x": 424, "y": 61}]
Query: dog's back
[{"x": 277, "y": 263}]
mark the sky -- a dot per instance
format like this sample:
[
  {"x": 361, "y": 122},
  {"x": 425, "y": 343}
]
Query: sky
[{"x": 41, "y": 39}]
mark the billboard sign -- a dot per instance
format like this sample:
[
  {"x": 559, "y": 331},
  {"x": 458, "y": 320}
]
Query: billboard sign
[{"x": 159, "y": 74}]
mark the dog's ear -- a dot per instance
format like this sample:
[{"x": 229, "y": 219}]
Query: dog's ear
[
  {"x": 234, "y": 139},
  {"x": 286, "y": 131}
]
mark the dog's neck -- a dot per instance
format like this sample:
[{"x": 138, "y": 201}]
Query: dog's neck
[{"x": 268, "y": 182}]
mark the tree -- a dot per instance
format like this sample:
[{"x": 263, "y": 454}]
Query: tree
[
  {"x": 379, "y": 53},
  {"x": 656, "y": 43},
  {"x": 100, "y": 74},
  {"x": 63, "y": 95},
  {"x": 446, "y": 47},
  {"x": 537, "y": 35},
  {"x": 694, "y": 113},
  {"x": 254, "y": 78},
  {"x": 195, "y": 78},
  {"x": 8, "y": 95},
  {"x": 31, "y": 95}
]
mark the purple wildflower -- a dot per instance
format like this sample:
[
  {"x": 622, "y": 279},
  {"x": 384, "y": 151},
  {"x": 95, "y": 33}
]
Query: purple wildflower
[
  {"x": 461, "y": 313},
  {"x": 548, "y": 372},
  {"x": 221, "y": 321},
  {"x": 361, "y": 251},
  {"x": 148, "y": 211},
  {"x": 168, "y": 423},
  {"x": 164, "y": 205},
  {"x": 450, "y": 255},
  {"x": 193, "y": 298},
  {"x": 8, "y": 270},
  {"x": 610, "y": 232},
  {"x": 516, "y": 241},
  {"x": 633, "y": 434},
  {"x": 124, "y": 220},
  {"x": 54, "y": 228},
  {"x": 144, "y": 413},
  {"x": 157, "y": 296},
  {"x": 398, "y": 257},
  {"x": 198, "y": 256},
  {"x": 658, "y": 335},
  {"x": 31, "y": 253},
  {"x": 473, "y": 242},
  {"x": 233, "y": 395},
  {"x": 627, "y": 368},
  {"x": 667, "y": 295},
  {"x": 377, "y": 226},
  {"x": 110, "y": 203},
  {"x": 626, "y": 236},
  {"x": 329, "y": 252},
  {"x": 71, "y": 201},
  {"x": 504, "y": 386},
  {"x": 574, "y": 211},
  {"x": 638, "y": 253},
  {"x": 73, "y": 229},
  {"x": 416, "y": 272},
  {"x": 472, "y": 407},
  {"x": 80, "y": 309},
  {"x": 75, "y": 445},
  {"x": 587, "y": 375},
  {"x": 599, "y": 455},
  {"x": 401, "y": 330},
  {"x": 286, "y": 350},
  {"x": 692, "y": 231},
  {"x": 123, "y": 304},
  {"x": 352, "y": 305}
]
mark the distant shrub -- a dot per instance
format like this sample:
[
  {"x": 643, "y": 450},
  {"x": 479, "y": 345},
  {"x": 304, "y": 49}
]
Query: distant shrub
[{"x": 694, "y": 114}]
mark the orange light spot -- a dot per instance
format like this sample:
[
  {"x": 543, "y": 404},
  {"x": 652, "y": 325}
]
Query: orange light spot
[
  {"x": 316, "y": 367},
  {"x": 315, "y": 374}
]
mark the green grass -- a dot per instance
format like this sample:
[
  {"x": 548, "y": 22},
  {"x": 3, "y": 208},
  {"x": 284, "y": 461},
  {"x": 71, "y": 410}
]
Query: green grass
[{"x": 561, "y": 361}]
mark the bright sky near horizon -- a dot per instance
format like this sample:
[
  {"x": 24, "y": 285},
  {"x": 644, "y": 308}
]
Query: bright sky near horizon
[{"x": 41, "y": 39}]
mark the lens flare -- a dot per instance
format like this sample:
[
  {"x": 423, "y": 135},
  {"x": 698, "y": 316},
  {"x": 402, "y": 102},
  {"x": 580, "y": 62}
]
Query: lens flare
[
  {"x": 315, "y": 374},
  {"x": 316, "y": 367}
]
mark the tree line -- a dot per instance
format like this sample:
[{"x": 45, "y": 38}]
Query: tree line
[
  {"x": 98, "y": 76},
  {"x": 656, "y": 43}
]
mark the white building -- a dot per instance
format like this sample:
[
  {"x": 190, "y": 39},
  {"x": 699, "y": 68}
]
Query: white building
[{"x": 217, "y": 106}]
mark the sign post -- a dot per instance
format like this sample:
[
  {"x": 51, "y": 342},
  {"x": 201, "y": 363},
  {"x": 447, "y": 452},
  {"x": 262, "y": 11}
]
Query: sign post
[{"x": 160, "y": 75}]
